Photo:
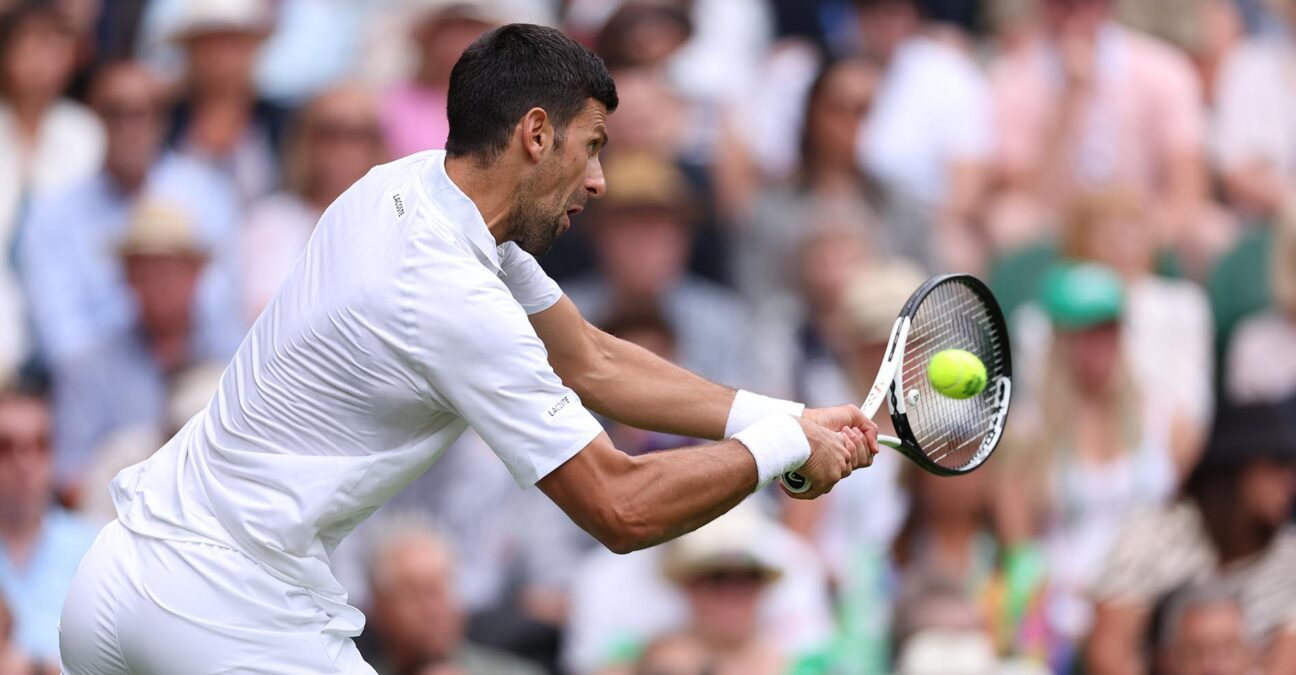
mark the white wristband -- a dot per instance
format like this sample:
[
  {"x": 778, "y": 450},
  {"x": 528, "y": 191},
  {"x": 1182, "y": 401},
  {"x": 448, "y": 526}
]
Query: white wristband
[
  {"x": 749, "y": 408},
  {"x": 778, "y": 444}
]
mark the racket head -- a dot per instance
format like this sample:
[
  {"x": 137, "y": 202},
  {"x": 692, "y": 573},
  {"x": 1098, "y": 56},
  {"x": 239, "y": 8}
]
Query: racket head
[{"x": 944, "y": 435}]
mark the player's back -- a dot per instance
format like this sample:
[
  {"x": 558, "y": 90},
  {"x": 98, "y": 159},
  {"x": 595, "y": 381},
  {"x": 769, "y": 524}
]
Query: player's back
[{"x": 320, "y": 417}]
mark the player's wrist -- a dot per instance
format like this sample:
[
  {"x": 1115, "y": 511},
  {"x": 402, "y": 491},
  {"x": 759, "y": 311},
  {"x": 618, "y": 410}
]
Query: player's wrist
[
  {"x": 779, "y": 445},
  {"x": 749, "y": 408}
]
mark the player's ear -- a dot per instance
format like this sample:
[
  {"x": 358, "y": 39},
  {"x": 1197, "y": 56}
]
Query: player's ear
[{"x": 537, "y": 133}]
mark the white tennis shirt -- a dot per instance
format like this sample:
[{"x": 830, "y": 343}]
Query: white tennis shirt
[{"x": 401, "y": 325}]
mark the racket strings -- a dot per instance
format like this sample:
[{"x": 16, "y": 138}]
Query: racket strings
[{"x": 949, "y": 430}]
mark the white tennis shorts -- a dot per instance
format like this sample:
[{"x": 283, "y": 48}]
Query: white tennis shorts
[{"x": 143, "y": 606}]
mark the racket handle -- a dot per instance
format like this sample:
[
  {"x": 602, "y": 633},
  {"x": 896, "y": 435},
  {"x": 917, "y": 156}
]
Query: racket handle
[{"x": 795, "y": 482}]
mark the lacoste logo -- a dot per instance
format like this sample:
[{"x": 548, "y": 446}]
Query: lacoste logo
[
  {"x": 562, "y": 403},
  {"x": 400, "y": 208}
]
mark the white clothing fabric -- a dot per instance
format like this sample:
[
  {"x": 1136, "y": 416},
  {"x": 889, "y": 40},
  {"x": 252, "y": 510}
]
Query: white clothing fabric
[
  {"x": 68, "y": 148},
  {"x": 932, "y": 110},
  {"x": 1255, "y": 107},
  {"x": 403, "y": 324},
  {"x": 143, "y": 606},
  {"x": 1261, "y": 363}
]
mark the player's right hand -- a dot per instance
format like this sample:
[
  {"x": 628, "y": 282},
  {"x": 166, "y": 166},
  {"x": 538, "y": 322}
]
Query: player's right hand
[{"x": 832, "y": 456}]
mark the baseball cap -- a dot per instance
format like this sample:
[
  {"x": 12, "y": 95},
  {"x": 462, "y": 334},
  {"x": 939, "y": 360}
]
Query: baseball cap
[{"x": 1080, "y": 295}]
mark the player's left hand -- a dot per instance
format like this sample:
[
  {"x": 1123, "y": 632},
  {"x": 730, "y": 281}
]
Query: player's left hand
[{"x": 849, "y": 416}]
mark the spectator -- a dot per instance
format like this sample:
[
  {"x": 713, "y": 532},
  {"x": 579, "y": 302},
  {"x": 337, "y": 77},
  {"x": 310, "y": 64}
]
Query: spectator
[
  {"x": 124, "y": 378},
  {"x": 417, "y": 621},
  {"x": 827, "y": 181},
  {"x": 1254, "y": 138},
  {"x": 641, "y": 233},
  {"x": 927, "y": 139},
  {"x": 1253, "y": 373},
  {"x": 1087, "y": 104},
  {"x": 1167, "y": 333},
  {"x": 939, "y": 630},
  {"x": 829, "y": 253},
  {"x": 40, "y": 543},
  {"x": 46, "y": 141},
  {"x": 950, "y": 533},
  {"x": 643, "y": 34},
  {"x": 1204, "y": 633},
  {"x": 1229, "y": 526},
  {"x": 70, "y": 269},
  {"x": 335, "y": 141},
  {"x": 413, "y": 113},
  {"x": 221, "y": 120},
  {"x": 621, "y": 603},
  {"x": 1087, "y": 445},
  {"x": 724, "y": 569}
]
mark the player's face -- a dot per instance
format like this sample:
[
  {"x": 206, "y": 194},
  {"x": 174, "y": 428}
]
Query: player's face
[{"x": 563, "y": 182}]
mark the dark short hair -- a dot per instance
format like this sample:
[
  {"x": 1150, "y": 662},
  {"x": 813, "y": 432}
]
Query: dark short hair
[{"x": 512, "y": 69}]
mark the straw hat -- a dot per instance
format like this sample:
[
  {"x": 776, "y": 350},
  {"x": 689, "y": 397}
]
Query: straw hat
[
  {"x": 161, "y": 228},
  {"x": 736, "y": 541},
  {"x": 210, "y": 16},
  {"x": 874, "y": 298}
]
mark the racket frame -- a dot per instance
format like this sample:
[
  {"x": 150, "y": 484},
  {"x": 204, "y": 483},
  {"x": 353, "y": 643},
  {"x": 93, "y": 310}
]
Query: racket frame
[{"x": 889, "y": 385}]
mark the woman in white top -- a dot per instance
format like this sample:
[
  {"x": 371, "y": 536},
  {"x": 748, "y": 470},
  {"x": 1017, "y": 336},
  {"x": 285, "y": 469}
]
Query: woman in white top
[
  {"x": 46, "y": 141},
  {"x": 335, "y": 141},
  {"x": 1088, "y": 444}
]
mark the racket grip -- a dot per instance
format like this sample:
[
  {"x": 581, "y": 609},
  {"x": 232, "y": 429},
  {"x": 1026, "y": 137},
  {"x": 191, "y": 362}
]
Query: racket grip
[{"x": 795, "y": 482}]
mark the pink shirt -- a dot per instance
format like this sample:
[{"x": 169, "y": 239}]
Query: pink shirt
[
  {"x": 414, "y": 119},
  {"x": 1145, "y": 111}
]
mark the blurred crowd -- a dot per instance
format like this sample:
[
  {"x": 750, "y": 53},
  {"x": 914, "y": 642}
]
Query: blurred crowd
[{"x": 782, "y": 174}]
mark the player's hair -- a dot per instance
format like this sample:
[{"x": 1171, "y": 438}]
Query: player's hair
[{"x": 512, "y": 69}]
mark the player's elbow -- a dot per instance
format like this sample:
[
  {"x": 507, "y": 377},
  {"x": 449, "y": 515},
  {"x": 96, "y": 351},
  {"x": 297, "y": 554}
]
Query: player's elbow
[{"x": 623, "y": 530}]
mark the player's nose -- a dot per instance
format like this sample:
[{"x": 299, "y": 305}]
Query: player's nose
[{"x": 595, "y": 184}]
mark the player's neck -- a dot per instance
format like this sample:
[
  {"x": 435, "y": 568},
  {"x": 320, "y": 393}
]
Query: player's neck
[{"x": 490, "y": 193}]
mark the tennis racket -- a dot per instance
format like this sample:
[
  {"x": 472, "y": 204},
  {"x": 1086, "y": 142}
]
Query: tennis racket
[{"x": 943, "y": 435}]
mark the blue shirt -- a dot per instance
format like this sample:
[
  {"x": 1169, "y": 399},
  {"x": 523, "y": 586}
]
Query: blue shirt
[
  {"x": 35, "y": 591},
  {"x": 72, "y": 275}
]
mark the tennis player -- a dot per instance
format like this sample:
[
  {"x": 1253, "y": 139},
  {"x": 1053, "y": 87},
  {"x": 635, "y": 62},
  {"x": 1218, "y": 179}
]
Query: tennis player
[{"x": 416, "y": 311}]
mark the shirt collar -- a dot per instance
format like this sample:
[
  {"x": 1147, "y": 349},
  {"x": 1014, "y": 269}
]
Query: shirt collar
[{"x": 461, "y": 212}]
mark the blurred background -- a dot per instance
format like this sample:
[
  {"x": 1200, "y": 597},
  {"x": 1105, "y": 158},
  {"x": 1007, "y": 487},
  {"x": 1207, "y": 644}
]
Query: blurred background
[{"x": 782, "y": 174}]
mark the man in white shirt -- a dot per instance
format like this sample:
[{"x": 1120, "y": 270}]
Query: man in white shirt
[{"x": 417, "y": 311}]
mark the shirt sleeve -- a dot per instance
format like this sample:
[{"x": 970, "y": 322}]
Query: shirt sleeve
[
  {"x": 1154, "y": 552},
  {"x": 485, "y": 361},
  {"x": 526, "y": 280}
]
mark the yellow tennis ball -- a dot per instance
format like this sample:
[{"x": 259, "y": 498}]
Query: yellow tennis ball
[{"x": 956, "y": 373}]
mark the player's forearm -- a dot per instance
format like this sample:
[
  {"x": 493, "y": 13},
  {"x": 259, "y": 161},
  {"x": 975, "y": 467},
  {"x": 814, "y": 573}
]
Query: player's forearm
[
  {"x": 629, "y": 503},
  {"x": 636, "y": 387},
  {"x": 677, "y": 492}
]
